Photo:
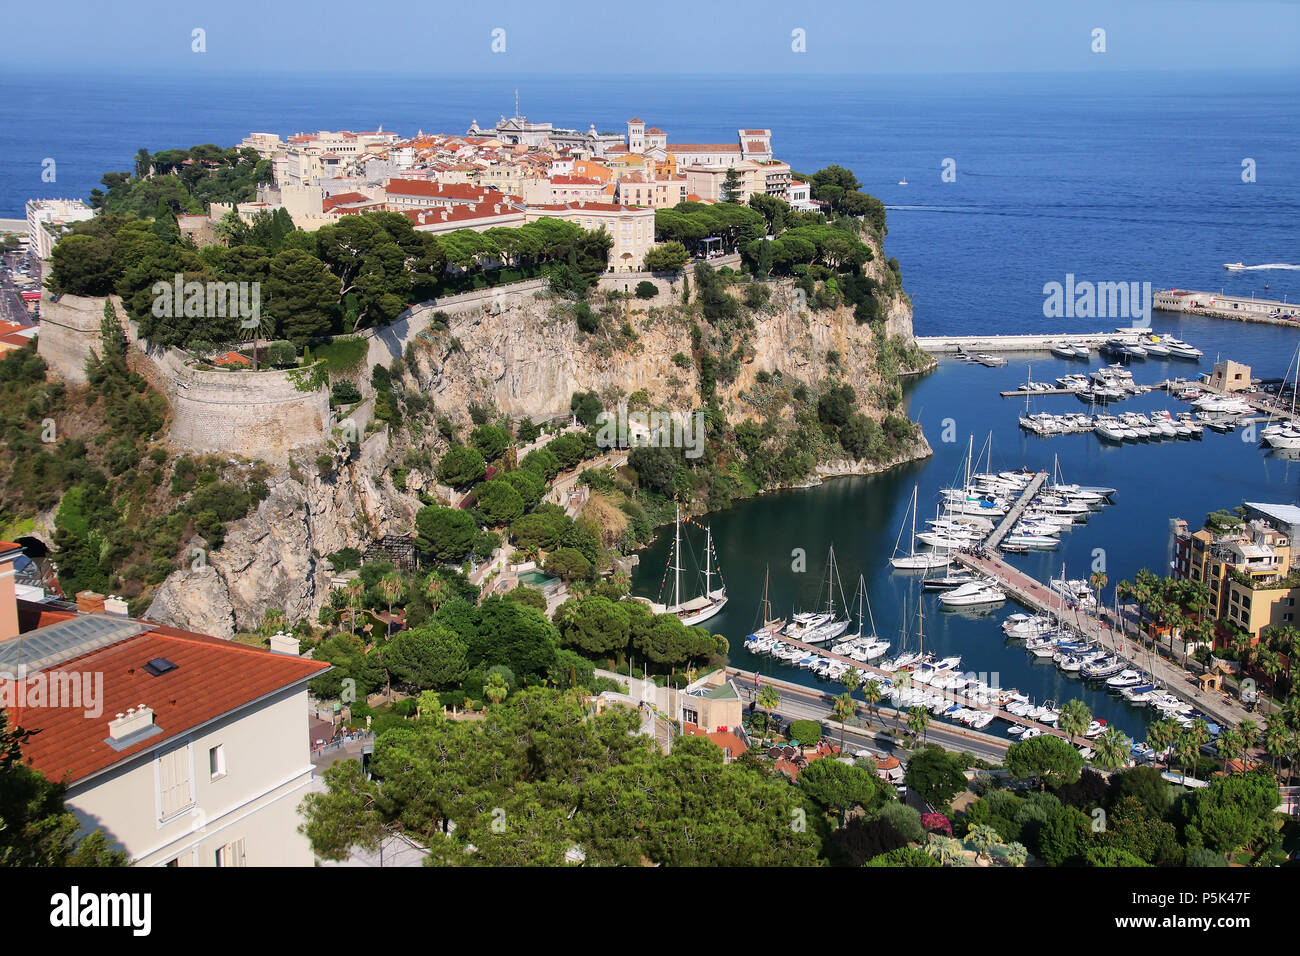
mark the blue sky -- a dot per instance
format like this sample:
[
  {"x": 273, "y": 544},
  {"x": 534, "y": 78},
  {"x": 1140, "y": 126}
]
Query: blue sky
[{"x": 840, "y": 36}]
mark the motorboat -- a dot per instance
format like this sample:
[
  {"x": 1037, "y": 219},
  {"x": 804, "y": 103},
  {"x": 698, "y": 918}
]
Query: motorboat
[
  {"x": 1095, "y": 729},
  {"x": 1234, "y": 266},
  {"x": 973, "y": 594},
  {"x": 1125, "y": 678},
  {"x": 949, "y": 581}
]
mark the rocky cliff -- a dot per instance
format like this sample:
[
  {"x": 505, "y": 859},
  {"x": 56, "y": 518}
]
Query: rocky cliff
[{"x": 526, "y": 360}]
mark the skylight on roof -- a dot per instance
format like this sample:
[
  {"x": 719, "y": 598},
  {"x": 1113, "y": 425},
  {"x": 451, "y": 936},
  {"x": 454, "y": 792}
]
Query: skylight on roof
[{"x": 158, "y": 666}]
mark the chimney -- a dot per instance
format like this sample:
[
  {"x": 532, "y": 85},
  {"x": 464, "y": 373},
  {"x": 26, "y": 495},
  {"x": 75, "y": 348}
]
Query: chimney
[
  {"x": 133, "y": 721},
  {"x": 90, "y": 602},
  {"x": 282, "y": 643},
  {"x": 115, "y": 604},
  {"x": 9, "y": 552}
]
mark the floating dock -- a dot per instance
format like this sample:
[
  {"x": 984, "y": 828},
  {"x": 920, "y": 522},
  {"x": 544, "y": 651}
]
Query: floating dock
[{"x": 1016, "y": 511}]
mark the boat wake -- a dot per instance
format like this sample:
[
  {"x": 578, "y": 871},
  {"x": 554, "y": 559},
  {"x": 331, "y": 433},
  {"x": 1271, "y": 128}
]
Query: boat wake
[{"x": 1270, "y": 265}]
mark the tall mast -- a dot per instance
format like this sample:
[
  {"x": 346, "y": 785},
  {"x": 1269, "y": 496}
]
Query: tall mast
[
  {"x": 970, "y": 447},
  {"x": 677, "y": 556},
  {"x": 708, "y": 560},
  {"x": 920, "y": 623},
  {"x": 914, "y": 489}
]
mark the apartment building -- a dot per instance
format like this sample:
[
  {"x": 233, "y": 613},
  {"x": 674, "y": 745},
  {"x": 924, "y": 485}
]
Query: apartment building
[
  {"x": 48, "y": 218},
  {"x": 1247, "y": 570},
  {"x": 186, "y": 750}
]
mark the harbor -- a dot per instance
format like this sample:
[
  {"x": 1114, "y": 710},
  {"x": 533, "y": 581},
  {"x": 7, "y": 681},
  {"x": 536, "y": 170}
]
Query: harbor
[{"x": 861, "y": 517}]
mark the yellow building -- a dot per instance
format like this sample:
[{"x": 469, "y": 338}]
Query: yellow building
[{"x": 1247, "y": 570}]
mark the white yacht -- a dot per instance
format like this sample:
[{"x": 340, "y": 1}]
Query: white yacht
[{"x": 973, "y": 595}]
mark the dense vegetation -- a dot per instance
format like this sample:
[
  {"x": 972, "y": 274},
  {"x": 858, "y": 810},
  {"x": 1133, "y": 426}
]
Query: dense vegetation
[
  {"x": 35, "y": 827},
  {"x": 123, "y": 505},
  {"x": 541, "y": 779}
]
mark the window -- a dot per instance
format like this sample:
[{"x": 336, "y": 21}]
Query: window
[
  {"x": 175, "y": 788},
  {"x": 232, "y": 854},
  {"x": 217, "y": 761}
]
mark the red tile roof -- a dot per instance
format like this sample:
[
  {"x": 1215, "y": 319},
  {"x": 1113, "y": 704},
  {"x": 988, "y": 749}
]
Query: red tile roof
[
  {"x": 232, "y": 358},
  {"x": 212, "y": 678},
  {"x": 428, "y": 190}
]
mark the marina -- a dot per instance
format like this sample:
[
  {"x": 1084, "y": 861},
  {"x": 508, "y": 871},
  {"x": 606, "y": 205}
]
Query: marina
[{"x": 862, "y": 517}]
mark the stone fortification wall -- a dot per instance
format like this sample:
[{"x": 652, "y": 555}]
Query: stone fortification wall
[
  {"x": 251, "y": 414},
  {"x": 70, "y": 332}
]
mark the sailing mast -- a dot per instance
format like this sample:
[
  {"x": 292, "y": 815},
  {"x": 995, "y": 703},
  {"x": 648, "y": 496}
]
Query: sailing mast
[
  {"x": 677, "y": 557},
  {"x": 708, "y": 562}
]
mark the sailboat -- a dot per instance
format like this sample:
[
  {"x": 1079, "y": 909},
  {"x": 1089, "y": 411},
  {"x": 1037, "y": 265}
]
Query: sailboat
[
  {"x": 770, "y": 626},
  {"x": 699, "y": 609},
  {"x": 915, "y": 560},
  {"x": 813, "y": 627}
]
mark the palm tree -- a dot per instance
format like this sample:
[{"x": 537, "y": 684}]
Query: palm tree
[
  {"x": 918, "y": 721},
  {"x": 391, "y": 587},
  {"x": 437, "y": 591},
  {"x": 850, "y": 679},
  {"x": 1160, "y": 736},
  {"x": 944, "y": 849},
  {"x": 1188, "y": 743},
  {"x": 842, "y": 709},
  {"x": 353, "y": 590},
  {"x": 1276, "y": 740},
  {"x": 1229, "y": 744},
  {"x": 1015, "y": 854},
  {"x": 1249, "y": 731},
  {"x": 872, "y": 691},
  {"x": 1075, "y": 718},
  {"x": 1271, "y": 664},
  {"x": 495, "y": 688},
  {"x": 983, "y": 838},
  {"x": 1112, "y": 749},
  {"x": 769, "y": 699}
]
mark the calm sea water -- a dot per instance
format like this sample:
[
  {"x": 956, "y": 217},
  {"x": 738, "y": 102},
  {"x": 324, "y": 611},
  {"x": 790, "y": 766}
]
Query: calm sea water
[{"x": 1110, "y": 178}]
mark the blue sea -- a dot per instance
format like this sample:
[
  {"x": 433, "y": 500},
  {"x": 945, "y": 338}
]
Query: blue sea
[{"x": 1134, "y": 177}]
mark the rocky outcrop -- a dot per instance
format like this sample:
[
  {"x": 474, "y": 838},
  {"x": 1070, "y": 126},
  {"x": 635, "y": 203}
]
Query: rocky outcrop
[
  {"x": 528, "y": 360},
  {"x": 272, "y": 558}
]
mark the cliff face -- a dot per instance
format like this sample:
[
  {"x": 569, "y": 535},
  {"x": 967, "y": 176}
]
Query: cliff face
[
  {"x": 271, "y": 559},
  {"x": 526, "y": 360},
  {"x": 529, "y": 359}
]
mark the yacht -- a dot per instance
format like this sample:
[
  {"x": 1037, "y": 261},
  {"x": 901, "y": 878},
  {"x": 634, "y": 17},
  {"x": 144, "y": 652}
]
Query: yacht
[
  {"x": 1126, "y": 678},
  {"x": 915, "y": 560},
  {"x": 1234, "y": 266},
  {"x": 974, "y": 594},
  {"x": 701, "y": 608}
]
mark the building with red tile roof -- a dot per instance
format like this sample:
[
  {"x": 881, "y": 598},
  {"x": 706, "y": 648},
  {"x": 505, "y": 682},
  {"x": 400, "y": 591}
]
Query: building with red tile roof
[{"x": 186, "y": 750}]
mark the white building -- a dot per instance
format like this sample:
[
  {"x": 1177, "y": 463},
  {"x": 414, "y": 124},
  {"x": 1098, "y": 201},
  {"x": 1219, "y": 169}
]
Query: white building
[
  {"x": 192, "y": 751},
  {"x": 47, "y": 218}
]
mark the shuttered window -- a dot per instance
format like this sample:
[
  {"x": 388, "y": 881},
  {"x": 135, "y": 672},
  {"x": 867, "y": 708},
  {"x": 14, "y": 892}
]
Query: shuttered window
[
  {"x": 175, "y": 788},
  {"x": 232, "y": 854}
]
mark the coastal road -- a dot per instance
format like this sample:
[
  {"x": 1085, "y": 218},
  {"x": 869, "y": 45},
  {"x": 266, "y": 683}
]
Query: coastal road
[{"x": 805, "y": 703}]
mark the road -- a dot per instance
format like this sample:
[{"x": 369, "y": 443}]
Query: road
[{"x": 802, "y": 702}]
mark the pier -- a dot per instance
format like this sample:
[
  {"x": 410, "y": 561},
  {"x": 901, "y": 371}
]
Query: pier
[
  {"x": 1022, "y": 392},
  {"x": 1016, "y": 511},
  {"x": 947, "y": 344},
  {"x": 1042, "y": 600}
]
